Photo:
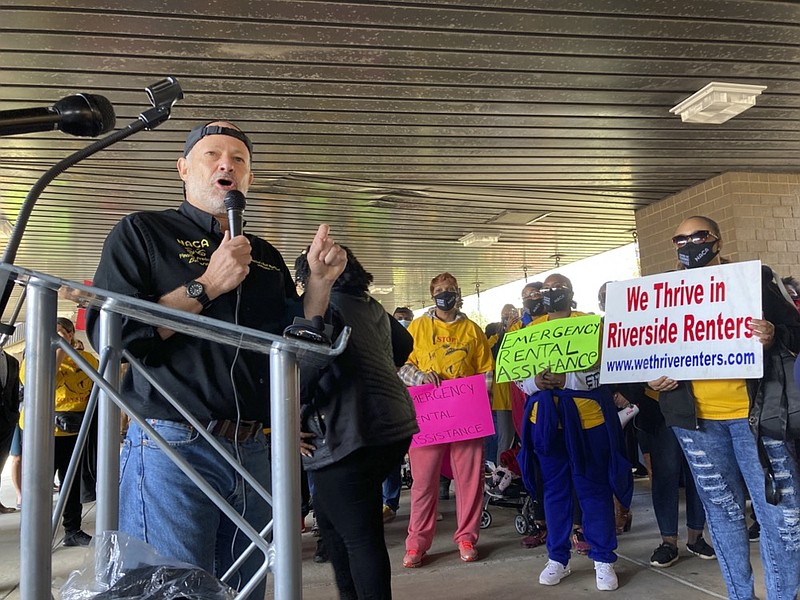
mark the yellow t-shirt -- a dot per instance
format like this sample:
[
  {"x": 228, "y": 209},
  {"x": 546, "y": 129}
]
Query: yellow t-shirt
[
  {"x": 721, "y": 399},
  {"x": 590, "y": 413},
  {"x": 501, "y": 396},
  {"x": 73, "y": 387},
  {"x": 453, "y": 350}
]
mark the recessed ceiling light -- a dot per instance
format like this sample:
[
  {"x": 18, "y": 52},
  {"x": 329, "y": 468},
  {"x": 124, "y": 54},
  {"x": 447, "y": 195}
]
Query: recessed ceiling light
[
  {"x": 717, "y": 102},
  {"x": 479, "y": 240}
]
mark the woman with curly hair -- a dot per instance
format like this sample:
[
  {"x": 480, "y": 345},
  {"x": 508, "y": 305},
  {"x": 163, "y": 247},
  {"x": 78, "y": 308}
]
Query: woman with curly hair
[{"x": 357, "y": 420}]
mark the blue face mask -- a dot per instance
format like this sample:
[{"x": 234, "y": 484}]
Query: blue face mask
[{"x": 404, "y": 323}]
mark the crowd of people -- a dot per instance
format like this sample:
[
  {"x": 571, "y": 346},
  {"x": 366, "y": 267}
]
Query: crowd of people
[{"x": 358, "y": 418}]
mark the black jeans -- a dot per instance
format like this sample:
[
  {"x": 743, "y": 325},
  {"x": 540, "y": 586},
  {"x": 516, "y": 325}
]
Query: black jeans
[
  {"x": 348, "y": 502},
  {"x": 669, "y": 469},
  {"x": 64, "y": 446}
]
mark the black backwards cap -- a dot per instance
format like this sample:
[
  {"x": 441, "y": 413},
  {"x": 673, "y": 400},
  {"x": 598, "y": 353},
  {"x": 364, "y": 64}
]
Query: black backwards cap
[{"x": 201, "y": 131}]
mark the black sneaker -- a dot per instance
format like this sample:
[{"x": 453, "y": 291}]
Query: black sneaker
[
  {"x": 702, "y": 549},
  {"x": 664, "y": 556},
  {"x": 321, "y": 555},
  {"x": 77, "y": 538},
  {"x": 754, "y": 532}
]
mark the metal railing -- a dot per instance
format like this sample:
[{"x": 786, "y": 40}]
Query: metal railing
[{"x": 282, "y": 556}]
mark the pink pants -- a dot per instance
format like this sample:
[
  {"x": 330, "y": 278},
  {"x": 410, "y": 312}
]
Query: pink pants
[{"x": 466, "y": 459}]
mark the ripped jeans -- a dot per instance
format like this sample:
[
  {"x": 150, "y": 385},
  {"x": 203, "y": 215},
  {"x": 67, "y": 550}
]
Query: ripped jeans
[{"x": 723, "y": 458}]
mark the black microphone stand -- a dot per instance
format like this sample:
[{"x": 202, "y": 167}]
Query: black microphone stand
[{"x": 163, "y": 94}]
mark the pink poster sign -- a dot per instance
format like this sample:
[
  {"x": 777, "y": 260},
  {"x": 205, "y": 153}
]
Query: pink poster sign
[{"x": 457, "y": 410}]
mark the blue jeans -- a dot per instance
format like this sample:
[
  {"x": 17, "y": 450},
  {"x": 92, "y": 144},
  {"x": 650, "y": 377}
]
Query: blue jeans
[
  {"x": 490, "y": 443},
  {"x": 668, "y": 462},
  {"x": 160, "y": 505},
  {"x": 723, "y": 458},
  {"x": 391, "y": 488}
]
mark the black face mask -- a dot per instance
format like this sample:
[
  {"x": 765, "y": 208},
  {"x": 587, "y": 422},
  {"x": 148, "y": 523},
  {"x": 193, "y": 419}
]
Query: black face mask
[
  {"x": 446, "y": 301},
  {"x": 534, "y": 306},
  {"x": 557, "y": 300},
  {"x": 697, "y": 255}
]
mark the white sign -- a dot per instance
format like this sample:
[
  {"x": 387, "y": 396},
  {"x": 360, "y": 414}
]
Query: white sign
[{"x": 691, "y": 324}]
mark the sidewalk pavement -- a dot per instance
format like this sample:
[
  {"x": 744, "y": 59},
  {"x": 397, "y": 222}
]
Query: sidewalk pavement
[{"x": 505, "y": 570}]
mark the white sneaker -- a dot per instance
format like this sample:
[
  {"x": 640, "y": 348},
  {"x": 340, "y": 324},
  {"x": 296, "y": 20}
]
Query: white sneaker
[
  {"x": 606, "y": 577},
  {"x": 553, "y": 573}
]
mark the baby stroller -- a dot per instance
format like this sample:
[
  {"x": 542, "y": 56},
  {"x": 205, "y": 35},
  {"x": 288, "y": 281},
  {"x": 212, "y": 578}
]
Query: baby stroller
[
  {"x": 405, "y": 473},
  {"x": 503, "y": 487}
]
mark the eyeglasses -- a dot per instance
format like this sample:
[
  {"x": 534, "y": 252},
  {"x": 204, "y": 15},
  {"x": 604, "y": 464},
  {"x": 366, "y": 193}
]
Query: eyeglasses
[
  {"x": 532, "y": 296},
  {"x": 555, "y": 288},
  {"x": 698, "y": 237}
]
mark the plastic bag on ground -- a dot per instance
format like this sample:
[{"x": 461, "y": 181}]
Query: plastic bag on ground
[{"x": 125, "y": 567}]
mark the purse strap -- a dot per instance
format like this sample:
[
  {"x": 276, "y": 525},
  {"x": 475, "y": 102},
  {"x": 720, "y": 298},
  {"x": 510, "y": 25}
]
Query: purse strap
[{"x": 771, "y": 490}]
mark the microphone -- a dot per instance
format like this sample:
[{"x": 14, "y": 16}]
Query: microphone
[
  {"x": 86, "y": 115},
  {"x": 235, "y": 203}
]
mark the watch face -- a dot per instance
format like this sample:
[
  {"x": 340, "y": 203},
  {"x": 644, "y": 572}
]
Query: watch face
[{"x": 194, "y": 289}]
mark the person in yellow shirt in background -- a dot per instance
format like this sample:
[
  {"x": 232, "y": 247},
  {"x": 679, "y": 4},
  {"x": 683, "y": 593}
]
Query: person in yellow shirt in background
[
  {"x": 574, "y": 431},
  {"x": 503, "y": 437},
  {"x": 73, "y": 388},
  {"x": 447, "y": 345}
]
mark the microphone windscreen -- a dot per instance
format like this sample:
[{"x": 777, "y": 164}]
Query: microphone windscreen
[
  {"x": 86, "y": 115},
  {"x": 234, "y": 200},
  {"x": 103, "y": 108}
]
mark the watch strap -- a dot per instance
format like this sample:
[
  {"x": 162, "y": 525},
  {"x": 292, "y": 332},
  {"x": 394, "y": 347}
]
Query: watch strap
[{"x": 202, "y": 297}]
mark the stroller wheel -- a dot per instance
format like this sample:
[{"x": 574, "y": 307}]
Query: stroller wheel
[
  {"x": 521, "y": 524},
  {"x": 486, "y": 519}
]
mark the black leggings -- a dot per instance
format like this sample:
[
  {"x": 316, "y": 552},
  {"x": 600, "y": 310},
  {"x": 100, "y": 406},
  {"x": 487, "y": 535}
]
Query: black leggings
[
  {"x": 348, "y": 503},
  {"x": 64, "y": 446}
]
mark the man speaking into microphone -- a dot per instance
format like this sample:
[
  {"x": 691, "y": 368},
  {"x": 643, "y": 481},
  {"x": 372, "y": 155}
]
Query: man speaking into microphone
[{"x": 187, "y": 259}]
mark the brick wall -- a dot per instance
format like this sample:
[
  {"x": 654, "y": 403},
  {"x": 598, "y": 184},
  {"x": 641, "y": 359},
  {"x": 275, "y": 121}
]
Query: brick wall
[{"x": 758, "y": 215}]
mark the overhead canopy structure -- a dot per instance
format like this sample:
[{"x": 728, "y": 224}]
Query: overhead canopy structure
[{"x": 405, "y": 125}]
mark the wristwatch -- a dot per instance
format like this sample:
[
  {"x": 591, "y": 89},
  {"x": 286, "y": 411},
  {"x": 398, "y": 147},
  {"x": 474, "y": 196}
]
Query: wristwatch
[{"x": 196, "y": 290}]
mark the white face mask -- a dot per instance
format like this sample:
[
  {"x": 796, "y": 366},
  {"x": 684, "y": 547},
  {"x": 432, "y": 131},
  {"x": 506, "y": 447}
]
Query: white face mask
[{"x": 404, "y": 323}]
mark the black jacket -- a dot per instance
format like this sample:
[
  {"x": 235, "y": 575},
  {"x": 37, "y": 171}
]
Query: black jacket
[
  {"x": 9, "y": 396},
  {"x": 678, "y": 405},
  {"x": 148, "y": 255},
  {"x": 358, "y": 400}
]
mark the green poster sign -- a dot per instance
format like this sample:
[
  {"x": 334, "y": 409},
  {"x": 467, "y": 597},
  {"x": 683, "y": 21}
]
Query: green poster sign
[{"x": 564, "y": 345}]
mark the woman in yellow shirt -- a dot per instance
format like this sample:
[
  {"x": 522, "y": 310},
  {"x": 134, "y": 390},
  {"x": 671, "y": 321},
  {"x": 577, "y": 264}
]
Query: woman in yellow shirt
[
  {"x": 577, "y": 438},
  {"x": 73, "y": 387},
  {"x": 710, "y": 418},
  {"x": 447, "y": 345}
]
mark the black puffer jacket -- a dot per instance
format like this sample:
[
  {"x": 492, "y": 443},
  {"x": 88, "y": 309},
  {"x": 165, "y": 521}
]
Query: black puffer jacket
[
  {"x": 358, "y": 400},
  {"x": 678, "y": 405}
]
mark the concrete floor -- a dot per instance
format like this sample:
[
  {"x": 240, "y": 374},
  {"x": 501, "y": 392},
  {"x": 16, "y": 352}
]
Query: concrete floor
[{"x": 505, "y": 569}]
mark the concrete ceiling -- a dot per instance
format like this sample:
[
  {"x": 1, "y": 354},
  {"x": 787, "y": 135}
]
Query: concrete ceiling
[{"x": 405, "y": 125}]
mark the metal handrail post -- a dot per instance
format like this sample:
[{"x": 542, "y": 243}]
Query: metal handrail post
[
  {"x": 285, "y": 423},
  {"x": 38, "y": 449},
  {"x": 108, "y": 422}
]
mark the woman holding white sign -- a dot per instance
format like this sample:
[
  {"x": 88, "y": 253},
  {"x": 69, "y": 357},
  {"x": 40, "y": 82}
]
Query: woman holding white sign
[
  {"x": 715, "y": 421},
  {"x": 573, "y": 428}
]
